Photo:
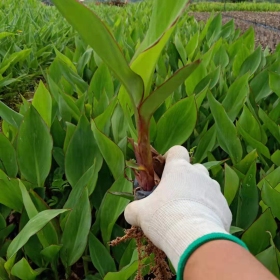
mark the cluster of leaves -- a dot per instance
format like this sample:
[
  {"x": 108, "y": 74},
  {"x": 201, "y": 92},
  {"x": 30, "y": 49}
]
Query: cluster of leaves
[
  {"x": 29, "y": 31},
  {"x": 241, "y": 6},
  {"x": 67, "y": 149}
]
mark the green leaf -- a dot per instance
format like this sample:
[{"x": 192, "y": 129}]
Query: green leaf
[
  {"x": 81, "y": 153},
  {"x": 96, "y": 34},
  {"x": 10, "y": 116},
  {"x": 226, "y": 131},
  {"x": 8, "y": 160},
  {"x": 276, "y": 158},
  {"x": 235, "y": 229},
  {"x": 100, "y": 256},
  {"x": 270, "y": 124},
  {"x": 33, "y": 226},
  {"x": 34, "y": 148},
  {"x": 42, "y": 102},
  {"x": 260, "y": 85},
  {"x": 274, "y": 82},
  {"x": 76, "y": 230},
  {"x": 260, "y": 147},
  {"x": 182, "y": 113},
  {"x": 231, "y": 184},
  {"x": 51, "y": 252},
  {"x": 156, "y": 98},
  {"x": 212, "y": 164},
  {"x": 252, "y": 62},
  {"x": 249, "y": 124},
  {"x": 271, "y": 198},
  {"x": 244, "y": 165},
  {"x": 126, "y": 272},
  {"x": 236, "y": 96},
  {"x": 112, "y": 206},
  {"x": 110, "y": 152},
  {"x": 248, "y": 199},
  {"x": 10, "y": 192},
  {"x": 3, "y": 273},
  {"x": 23, "y": 270},
  {"x": 206, "y": 144},
  {"x": 273, "y": 178},
  {"x": 127, "y": 195},
  {"x": 144, "y": 61},
  {"x": 256, "y": 237},
  {"x": 269, "y": 259}
]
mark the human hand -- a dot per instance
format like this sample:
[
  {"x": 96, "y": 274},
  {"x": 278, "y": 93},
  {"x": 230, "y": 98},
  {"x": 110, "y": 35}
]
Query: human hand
[{"x": 186, "y": 206}]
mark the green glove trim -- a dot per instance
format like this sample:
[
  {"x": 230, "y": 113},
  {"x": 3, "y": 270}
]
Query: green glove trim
[{"x": 200, "y": 241}]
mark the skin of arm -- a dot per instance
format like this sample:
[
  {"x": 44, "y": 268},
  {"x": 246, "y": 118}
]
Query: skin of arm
[{"x": 224, "y": 260}]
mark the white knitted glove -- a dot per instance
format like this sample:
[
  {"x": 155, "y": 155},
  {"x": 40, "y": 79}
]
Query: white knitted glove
[{"x": 186, "y": 205}]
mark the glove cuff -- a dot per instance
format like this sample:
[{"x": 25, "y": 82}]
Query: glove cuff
[{"x": 200, "y": 241}]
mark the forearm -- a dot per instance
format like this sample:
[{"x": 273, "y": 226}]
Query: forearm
[{"x": 222, "y": 259}]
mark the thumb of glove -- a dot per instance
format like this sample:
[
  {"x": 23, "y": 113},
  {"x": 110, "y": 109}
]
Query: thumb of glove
[{"x": 132, "y": 212}]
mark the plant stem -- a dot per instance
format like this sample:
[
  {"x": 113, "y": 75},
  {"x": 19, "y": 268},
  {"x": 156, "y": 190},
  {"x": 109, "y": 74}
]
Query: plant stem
[{"x": 144, "y": 156}]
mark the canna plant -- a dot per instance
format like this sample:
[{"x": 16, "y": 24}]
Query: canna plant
[{"x": 136, "y": 78}]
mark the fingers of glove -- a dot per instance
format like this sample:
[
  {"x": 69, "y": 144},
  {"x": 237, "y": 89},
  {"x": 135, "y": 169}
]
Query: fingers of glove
[
  {"x": 132, "y": 213},
  {"x": 201, "y": 168},
  {"x": 177, "y": 161}
]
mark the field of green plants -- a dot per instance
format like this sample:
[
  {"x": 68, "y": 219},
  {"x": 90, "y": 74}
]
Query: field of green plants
[{"x": 67, "y": 145}]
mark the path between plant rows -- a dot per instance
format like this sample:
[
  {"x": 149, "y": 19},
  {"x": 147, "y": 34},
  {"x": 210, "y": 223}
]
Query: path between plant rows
[{"x": 266, "y": 24}]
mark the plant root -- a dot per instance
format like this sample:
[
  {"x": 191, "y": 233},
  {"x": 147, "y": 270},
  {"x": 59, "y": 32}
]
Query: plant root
[{"x": 159, "y": 268}]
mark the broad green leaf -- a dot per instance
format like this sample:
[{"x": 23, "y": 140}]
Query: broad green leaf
[
  {"x": 8, "y": 160},
  {"x": 276, "y": 158},
  {"x": 192, "y": 45},
  {"x": 81, "y": 152},
  {"x": 97, "y": 35},
  {"x": 260, "y": 85},
  {"x": 206, "y": 144},
  {"x": 231, "y": 184},
  {"x": 244, "y": 165},
  {"x": 110, "y": 151},
  {"x": 112, "y": 206},
  {"x": 252, "y": 62},
  {"x": 210, "y": 80},
  {"x": 176, "y": 124},
  {"x": 271, "y": 198},
  {"x": 249, "y": 124},
  {"x": 51, "y": 252},
  {"x": 256, "y": 236},
  {"x": 33, "y": 226},
  {"x": 274, "y": 82},
  {"x": 269, "y": 259},
  {"x": 260, "y": 147},
  {"x": 273, "y": 179},
  {"x": 34, "y": 148},
  {"x": 10, "y": 116},
  {"x": 214, "y": 29},
  {"x": 23, "y": 270},
  {"x": 127, "y": 195},
  {"x": 235, "y": 229},
  {"x": 123, "y": 274},
  {"x": 74, "y": 238},
  {"x": 100, "y": 256},
  {"x": 221, "y": 57},
  {"x": 10, "y": 192},
  {"x": 146, "y": 56},
  {"x": 236, "y": 96},
  {"x": 212, "y": 164},
  {"x": 42, "y": 102},
  {"x": 3, "y": 273},
  {"x": 156, "y": 98},
  {"x": 248, "y": 199},
  {"x": 270, "y": 124},
  {"x": 226, "y": 131}
]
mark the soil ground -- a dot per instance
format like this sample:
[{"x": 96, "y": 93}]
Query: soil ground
[{"x": 266, "y": 25}]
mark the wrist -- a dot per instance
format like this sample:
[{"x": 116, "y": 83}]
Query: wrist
[{"x": 198, "y": 243}]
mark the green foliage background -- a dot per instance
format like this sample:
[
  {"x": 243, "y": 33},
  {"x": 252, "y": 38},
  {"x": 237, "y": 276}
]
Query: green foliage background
[{"x": 66, "y": 148}]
